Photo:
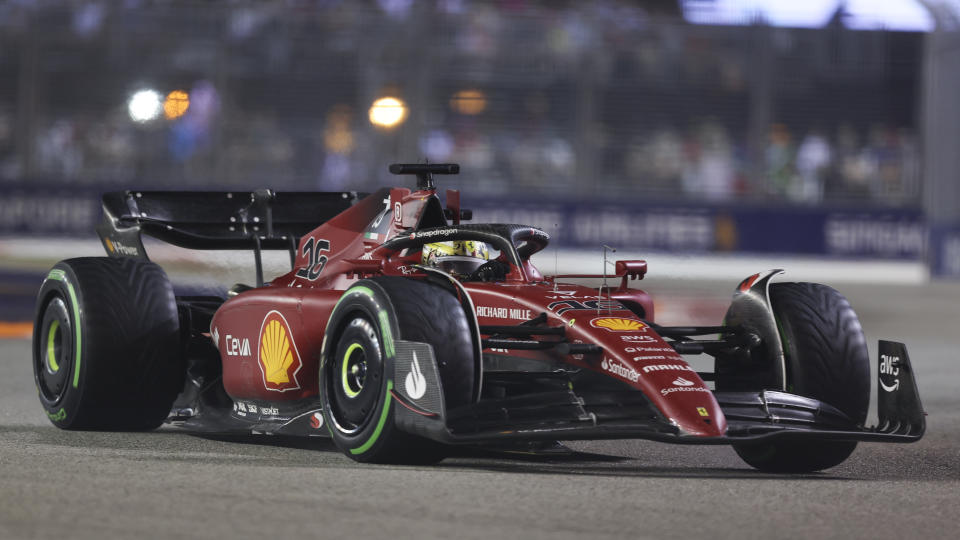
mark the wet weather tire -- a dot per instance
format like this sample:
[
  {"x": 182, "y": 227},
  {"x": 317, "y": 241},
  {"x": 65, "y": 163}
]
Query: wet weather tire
[
  {"x": 356, "y": 374},
  {"x": 106, "y": 344},
  {"x": 826, "y": 359}
]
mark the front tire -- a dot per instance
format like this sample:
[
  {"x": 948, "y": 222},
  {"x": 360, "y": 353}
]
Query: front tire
[
  {"x": 826, "y": 359},
  {"x": 106, "y": 344},
  {"x": 356, "y": 372}
]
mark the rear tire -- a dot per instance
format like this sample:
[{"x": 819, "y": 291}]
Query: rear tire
[
  {"x": 106, "y": 344},
  {"x": 356, "y": 373},
  {"x": 826, "y": 359}
]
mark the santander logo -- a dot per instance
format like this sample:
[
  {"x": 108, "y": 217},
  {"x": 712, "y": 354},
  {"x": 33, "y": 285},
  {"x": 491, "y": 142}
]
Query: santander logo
[
  {"x": 683, "y": 385},
  {"x": 616, "y": 367}
]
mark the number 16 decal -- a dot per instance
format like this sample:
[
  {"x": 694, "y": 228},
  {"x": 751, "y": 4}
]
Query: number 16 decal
[{"x": 315, "y": 261}]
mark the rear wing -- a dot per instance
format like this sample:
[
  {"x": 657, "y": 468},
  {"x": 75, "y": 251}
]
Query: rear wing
[{"x": 256, "y": 220}]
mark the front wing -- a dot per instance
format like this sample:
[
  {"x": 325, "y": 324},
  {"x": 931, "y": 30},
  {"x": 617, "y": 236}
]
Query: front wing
[
  {"x": 565, "y": 414},
  {"x": 560, "y": 412}
]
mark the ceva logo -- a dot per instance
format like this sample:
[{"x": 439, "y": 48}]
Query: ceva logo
[
  {"x": 278, "y": 357},
  {"x": 237, "y": 346}
]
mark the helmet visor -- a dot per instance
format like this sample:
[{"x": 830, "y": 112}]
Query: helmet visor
[{"x": 459, "y": 265}]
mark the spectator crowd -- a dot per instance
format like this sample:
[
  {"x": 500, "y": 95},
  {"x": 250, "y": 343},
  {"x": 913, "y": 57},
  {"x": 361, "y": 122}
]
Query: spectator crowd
[{"x": 570, "y": 96}]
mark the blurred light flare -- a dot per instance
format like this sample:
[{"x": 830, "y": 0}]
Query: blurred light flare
[
  {"x": 388, "y": 112},
  {"x": 337, "y": 135},
  {"x": 469, "y": 102},
  {"x": 176, "y": 104},
  {"x": 144, "y": 106}
]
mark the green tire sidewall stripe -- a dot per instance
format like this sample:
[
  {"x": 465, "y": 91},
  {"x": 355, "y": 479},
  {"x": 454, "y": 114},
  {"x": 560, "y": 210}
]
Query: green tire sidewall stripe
[
  {"x": 387, "y": 334},
  {"x": 384, "y": 414},
  {"x": 60, "y": 275},
  {"x": 360, "y": 289},
  {"x": 57, "y": 416},
  {"x": 382, "y": 316}
]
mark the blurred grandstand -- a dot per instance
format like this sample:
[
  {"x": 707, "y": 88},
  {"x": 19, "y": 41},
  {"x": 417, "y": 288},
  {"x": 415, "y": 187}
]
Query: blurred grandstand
[
  {"x": 819, "y": 128},
  {"x": 530, "y": 96}
]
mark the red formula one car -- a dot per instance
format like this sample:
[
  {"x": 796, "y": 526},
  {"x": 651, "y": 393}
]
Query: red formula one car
[{"x": 401, "y": 331}]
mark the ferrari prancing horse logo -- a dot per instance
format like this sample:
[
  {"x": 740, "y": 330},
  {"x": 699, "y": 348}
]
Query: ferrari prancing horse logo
[{"x": 278, "y": 356}]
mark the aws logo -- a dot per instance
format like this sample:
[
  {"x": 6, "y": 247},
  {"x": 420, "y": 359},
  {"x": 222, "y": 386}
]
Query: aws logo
[
  {"x": 279, "y": 359},
  {"x": 617, "y": 324}
]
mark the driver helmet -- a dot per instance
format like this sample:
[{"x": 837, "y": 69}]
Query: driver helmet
[{"x": 458, "y": 257}]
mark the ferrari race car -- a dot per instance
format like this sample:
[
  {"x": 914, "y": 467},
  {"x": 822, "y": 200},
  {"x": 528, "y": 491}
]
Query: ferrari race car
[{"x": 400, "y": 331}]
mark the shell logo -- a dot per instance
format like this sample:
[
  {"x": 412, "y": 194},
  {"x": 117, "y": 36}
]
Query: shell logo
[
  {"x": 278, "y": 358},
  {"x": 617, "y": 324}
]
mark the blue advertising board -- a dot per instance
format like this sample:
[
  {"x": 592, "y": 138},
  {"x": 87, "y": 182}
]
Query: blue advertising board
[
  {"x": 35, "y": 209},
  {"x": 842, "y": 232},
  {"x": 945, "y": 250}
]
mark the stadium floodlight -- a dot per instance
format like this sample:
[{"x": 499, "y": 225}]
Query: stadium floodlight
[
  {"x": 144, "y": 106},
  {"x": 388, "y": 112}
]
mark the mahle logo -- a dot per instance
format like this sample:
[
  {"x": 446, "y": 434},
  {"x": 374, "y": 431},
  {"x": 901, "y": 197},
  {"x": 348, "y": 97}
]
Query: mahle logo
[
  {"x": 667, "y": 367},
  {"x": 279, "y": 359}
]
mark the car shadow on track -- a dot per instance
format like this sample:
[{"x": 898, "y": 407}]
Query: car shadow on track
[
  {"x": 552, "y": 461},
  {"x": 319, "y": 452},
  {"x": 320, "y": 444},
  {"x": 562, "y": 460},
  {"x": 623, "y": 468}
]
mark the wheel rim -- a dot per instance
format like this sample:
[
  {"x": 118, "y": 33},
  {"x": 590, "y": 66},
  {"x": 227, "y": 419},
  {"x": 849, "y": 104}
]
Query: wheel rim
[
  {"x": 355, "y": 377},
  {"x": 353, "y": 372},
  {"x": 55, "y": 352}
]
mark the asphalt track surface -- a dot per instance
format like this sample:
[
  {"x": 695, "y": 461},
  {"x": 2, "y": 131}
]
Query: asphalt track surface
[{"x": 169, "y": 484}]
